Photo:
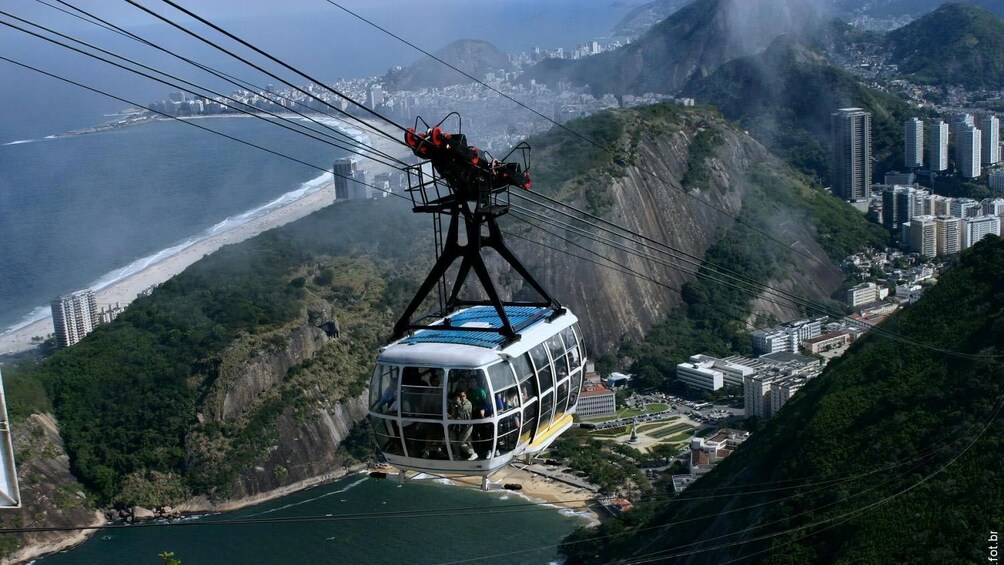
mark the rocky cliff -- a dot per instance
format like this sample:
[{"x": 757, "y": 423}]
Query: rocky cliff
[
  {"x": 51, "y": 497},
  {"x": 653, "y": 195}
]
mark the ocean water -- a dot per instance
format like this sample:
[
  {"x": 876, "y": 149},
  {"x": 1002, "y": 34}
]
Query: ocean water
[
  {"x": 354, "y": 520},
  {"x": 86, "y": 210}
]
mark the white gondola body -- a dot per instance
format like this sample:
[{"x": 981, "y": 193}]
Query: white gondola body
[{"x": 522, "y": 395}]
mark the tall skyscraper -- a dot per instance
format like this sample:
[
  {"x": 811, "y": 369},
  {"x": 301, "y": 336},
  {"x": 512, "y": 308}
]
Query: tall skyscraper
[
  {"x": 74, "y": 316},
  {"x": 913, "y": 150},
  {"x": 921, "y": 232},
  {"x": 949, "y": 234},
  {"x": 990, "y": 130},
  {"x": 852, "y": 153},
  {"x": 344, "y": 170},
  {"x": 967, "y": 152},
  {"x": 938, "y": 146}
]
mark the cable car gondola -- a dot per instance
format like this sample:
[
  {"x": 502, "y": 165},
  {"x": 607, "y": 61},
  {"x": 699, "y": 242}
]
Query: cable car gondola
[{"x": 486, "y": 380}]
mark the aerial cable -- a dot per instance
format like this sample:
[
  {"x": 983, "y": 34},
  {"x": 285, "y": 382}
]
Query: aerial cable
[
  {"x": 236, "y": 106},
  {"x": 614, "y": 266},
  {"x": 667, "y": 249},
  {"x": 931, "y": 448},
  {"x": 250, "y": 87},
  {"x": 795, "y": 300},
  {"x": 641, "y": 254},
  {"x": 195, "y": 125},
  {"x": 664, "y": 554},
  {"x": 266, "y": 72},
  {"x": 617, "y": 157},
  {"x": 662, "y": 528}
]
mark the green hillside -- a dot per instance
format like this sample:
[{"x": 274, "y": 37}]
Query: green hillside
[
  {"x": 129, "y": 396},
  {"x": 692, "y": 42},
  {"x": 892, "y": 455},
  {"x": 785, "y": 96},
  {"x": 958, "y": 43}
]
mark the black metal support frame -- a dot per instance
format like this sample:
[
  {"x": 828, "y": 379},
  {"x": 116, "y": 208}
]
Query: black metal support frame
[{"x": 477, "y": 208}]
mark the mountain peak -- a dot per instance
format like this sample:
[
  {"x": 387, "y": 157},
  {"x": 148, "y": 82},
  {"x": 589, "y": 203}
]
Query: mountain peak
[{"x": 472, "y": 56}]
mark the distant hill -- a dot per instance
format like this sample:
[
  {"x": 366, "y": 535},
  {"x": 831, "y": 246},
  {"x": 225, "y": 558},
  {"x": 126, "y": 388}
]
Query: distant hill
[
  {"x": 642, "y": 18},
  {"x": 915, "y": 8},
  {"x": 474, "y": 57},
  {"x": 692, "y": 42},
  {"x": 785, "y": 96},
  {"x": 892, "y": 455},
  {"x": 956, "y": 44}
]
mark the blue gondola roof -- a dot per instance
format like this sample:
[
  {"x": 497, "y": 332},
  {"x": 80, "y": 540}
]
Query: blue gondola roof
[{"x": 484, "y": 316}]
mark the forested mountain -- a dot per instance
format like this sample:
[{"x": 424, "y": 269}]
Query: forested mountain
[
  {"x": 201, "y": 387},
  {"x": 785, "y": 96},
  {"x": 642, "y": 18},
  {"x": 891, "y": 455},
  {"x": 473, "y": 57},
  {"x": 956, "y": 44},
  {"x": 692, "y": 42}
]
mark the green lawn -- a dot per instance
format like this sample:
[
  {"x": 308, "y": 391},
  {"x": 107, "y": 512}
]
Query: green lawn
[
  {"x": 678, "y": 438},
  {"x": 656, "y": 407},
  {"x": 611, "y": 433},
  {"x": 650, "y": 427},
  {"x": 671, "y": 430}
]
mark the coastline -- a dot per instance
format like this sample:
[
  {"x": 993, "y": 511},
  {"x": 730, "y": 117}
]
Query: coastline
[{"x": 126, "y": 290}]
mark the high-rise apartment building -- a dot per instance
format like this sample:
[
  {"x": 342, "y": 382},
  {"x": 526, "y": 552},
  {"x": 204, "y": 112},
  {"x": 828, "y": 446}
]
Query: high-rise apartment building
[
  {"x": 74, "y": 316},
  {"x": 938, "y": 146},
  {"x": 922, "y": 235},
  {"x": 949, "y": 234},
  {"x": 913, "y": 150},
  {"x": 852, "y": 153},
  {"x": 975, "y": 229},
  {"x": 990, "y": 128},
  {"x": 344, "y": 171},
  {"x": 967, "y": 152}
]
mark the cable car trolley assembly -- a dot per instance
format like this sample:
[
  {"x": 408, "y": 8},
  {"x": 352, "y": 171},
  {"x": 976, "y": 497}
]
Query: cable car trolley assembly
[{"x": 468, "y": 387}]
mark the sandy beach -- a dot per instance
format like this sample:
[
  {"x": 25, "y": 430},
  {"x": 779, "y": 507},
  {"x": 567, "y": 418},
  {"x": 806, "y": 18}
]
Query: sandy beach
[{"x": 126, "y": 290}]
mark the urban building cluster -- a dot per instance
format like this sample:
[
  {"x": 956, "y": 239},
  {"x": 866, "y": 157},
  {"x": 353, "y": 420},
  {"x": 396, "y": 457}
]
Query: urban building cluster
[
  {"x": 932, "y": 224},
  {"x": 977, "y": 150},
  {"x": 783, "y": 372},
  {"x": 595, "y": 399},
  {"x": 705, "y": 453},
  {"x": 76, "y": 314}
]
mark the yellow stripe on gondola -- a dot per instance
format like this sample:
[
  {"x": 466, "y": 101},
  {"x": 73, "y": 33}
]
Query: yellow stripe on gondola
[{"x": 545, "y": 439}]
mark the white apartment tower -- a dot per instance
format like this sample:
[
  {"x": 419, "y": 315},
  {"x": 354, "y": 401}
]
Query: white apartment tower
[
  {"x": 967, "y": 152},
  {"x": 949, "y": 233},
  {"x": 975, "y": 229},
  {"x": 922, "y": 235},
  {"x": 913, "y": 150},
  {"x": 990, "y": 127},
  {"x": 74, "y": 316},
  {"x": 938, "y": 146},
  {"x": 852, "y": 153}
]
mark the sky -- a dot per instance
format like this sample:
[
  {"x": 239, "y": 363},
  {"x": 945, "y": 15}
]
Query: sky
[{"x": 312, "y": 35}]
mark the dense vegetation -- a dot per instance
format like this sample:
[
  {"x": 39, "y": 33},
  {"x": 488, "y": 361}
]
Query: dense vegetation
[
  {"x": 129, "y": 397},
  {"x": 958, "y": 43},
  {"x": 901, "y": 438},
  {"x": 785, "y": 96},
  {"x": 713, "y": 316}
]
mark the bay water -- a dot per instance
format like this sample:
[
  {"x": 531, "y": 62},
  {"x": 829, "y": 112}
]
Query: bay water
[{"x": 353, "y": 520}]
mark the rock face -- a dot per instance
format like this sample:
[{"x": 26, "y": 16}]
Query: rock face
[
  {"x": 307, "y": 451},
  {"x": 242, "y": 378},
  {"x": 50, "y": 496},
  {"x": 648, "y": 199}
]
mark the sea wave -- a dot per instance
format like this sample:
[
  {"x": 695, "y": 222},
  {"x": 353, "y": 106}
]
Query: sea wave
[
  {"x": 19, "y": 142},
  {"x": 231, "y": 222},
  {"x": 295, "y": 504}
]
